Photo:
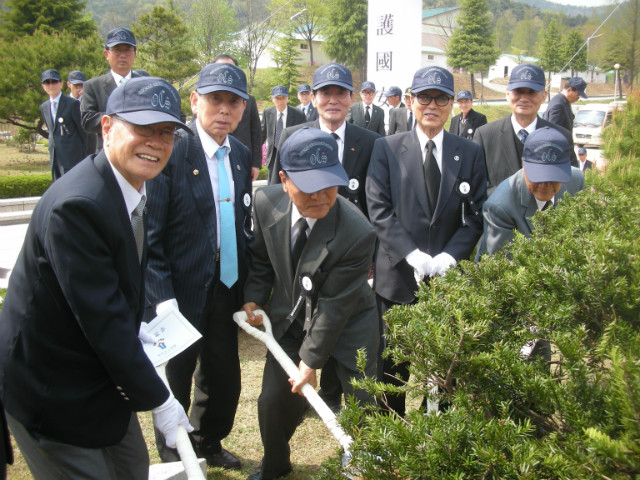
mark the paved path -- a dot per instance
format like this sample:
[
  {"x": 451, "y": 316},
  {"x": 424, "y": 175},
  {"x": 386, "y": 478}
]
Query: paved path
[{"x": 11, "y": 238}]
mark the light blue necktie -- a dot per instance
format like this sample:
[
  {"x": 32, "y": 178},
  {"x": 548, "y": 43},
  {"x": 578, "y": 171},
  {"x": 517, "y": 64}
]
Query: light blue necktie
[{"x": 228, "y": 247}]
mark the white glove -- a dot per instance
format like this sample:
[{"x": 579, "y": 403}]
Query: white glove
[
  {"x": 162, "y": 306},
  {"x": 143, "y": 335},
  {"x": 421, "y": 263},
  {"x": 167, "y": 417},
  {"x": 441, "y": 263}
]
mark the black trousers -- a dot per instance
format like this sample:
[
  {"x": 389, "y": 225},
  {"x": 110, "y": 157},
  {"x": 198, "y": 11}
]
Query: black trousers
[
  {"x": 280, "y": 411},
  {"x": 214, "y": 364}
]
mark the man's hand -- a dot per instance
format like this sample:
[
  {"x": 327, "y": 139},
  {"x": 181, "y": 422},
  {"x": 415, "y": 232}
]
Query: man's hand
[
  {"x": 441, "y": 263},
  {"x": 252, "y": 319},
  {"x": 167, "y": 417},
  {"x": 421, "y": 263},
  {"x": 307, "y": 375},
  {"x": 254, "y": 173}
]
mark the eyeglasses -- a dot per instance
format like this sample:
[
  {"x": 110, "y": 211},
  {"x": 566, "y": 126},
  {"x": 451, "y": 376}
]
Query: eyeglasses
[
  {"x": 122, "y": 49},
  {"x": 51, "y": 82},
  {"x": 441, "y": 100},
  {"x": 167, "y": 135}
]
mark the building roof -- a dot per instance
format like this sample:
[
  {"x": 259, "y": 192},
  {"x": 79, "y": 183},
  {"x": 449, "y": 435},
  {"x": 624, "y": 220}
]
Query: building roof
[
  {"x": 429, "y": 49},
  {"x": 434, "y": 12}
]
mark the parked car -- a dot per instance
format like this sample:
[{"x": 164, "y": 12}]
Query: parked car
[{"x": 590, "y": 120}]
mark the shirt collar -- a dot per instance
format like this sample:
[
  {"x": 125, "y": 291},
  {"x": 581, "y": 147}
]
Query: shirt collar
[
  {"x": 542, "y": 203},
  {"x": 130, "y": 194},
  {"x": 340, "y": 131},
  {"x": 295, "y": 215},
  {"x": 118, "y": 77},
  {"x": 529, "y": 128},
  {"x": 57, "y": 99},
  {"x": 209, "y": 145},
  {"x": 438, "y": 139}
]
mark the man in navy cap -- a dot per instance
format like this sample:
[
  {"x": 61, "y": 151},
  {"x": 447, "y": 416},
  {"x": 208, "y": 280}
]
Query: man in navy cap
[
  {"x": 401, "y": 119},
  {"x": 67, "y": 139},
  {"x": 248, "y": 131},
  {"x": 75, "y": 83},
  {"x": 544, "y": 179},
  {"x": 394, "y": 97},
  {"x": 559, "y": 108},
  {"x": 311, "y": 248},
  {"x": 120, "y": 53},
  {"x": 365, "y": 114},
  {"x": 275, "y": 119},
  {"x": 199, "y": 226},
  {"x": 583, "y": 163},
  {"x": 425, "y": 190},
  {"x": 503, "y": 140},
  {"x": 73, "y": 372},
  {"x": 306, "y": 105},
  {"x": 333, "y": 97},
  {"x": 468, "y": 120}
]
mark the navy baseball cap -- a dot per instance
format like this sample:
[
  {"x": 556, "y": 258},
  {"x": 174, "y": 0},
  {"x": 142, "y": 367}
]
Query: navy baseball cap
[
  {"x": 76, "y": 77},
  {"x": 464, "y": 94},
  {"x": 50, "y": 74},
  {"x": 393, "y": 92},
  {"x": 140, "y": 72},
  {"x": 407, "y": 92},
  {"x": 145, "y": 101},
  {"x": 545, "y": 157},
  {"x": 578, "y": 84},
  {"x": 527, "y": 76},
  {"x": 367, "y": 86},
  {"x": 582, "y": 151},
  {"x": 118, "y": 36},
  {"x": 305, "y": 87},
  {"x": 310, "y": 158},
  {"x": 222, "y": 77},
  {"x": 433, "y": 78},
  {"x": 279, "y": 90},
  {"x": 333, "y": 74}
]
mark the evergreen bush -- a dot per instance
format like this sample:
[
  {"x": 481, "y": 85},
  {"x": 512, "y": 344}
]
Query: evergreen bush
[
  {"x": 19, "y": 186},
  {"x": 576, "y": 283}
]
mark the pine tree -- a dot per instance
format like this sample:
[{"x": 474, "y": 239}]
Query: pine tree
[
  {"x": 286, "y": 54},
  {"x": 471, "y": 46},
  {"x": 572, "y": 43},
  {"x": 211, "y": 26},
  {"x": 346, "y": 33},
  {"x": 550, "y": 55},
  {"x": 24, "y": 17}
]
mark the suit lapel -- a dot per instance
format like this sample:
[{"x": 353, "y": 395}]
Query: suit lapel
[
  {"x": 278, "y": 229},
  {"x": 508, "y": 147},
  {"x": 315, "y": 250},
  {"x": 411, "y": 157},
  {"x": 47, "y": 116},
  {"x": 451, "y": 161},
  {"x": 351, "y": 150}
]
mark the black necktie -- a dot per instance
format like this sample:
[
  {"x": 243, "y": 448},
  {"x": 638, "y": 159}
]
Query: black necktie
[
  {"x": 276, "y": 138},
  {"x": 547, "y": 205},
  {"x": 300, "y": 238},
  {"x": 410, "y": 122},
  {"x": 367, "y": 116},
  {"x": 522, "y": 135},
  {"x": 432, "y": 176}
]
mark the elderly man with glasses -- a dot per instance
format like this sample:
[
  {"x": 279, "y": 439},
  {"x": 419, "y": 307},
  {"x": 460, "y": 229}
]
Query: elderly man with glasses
[
  {"x": 120, "y": 53},
  {"x": 425, "y": 189}
]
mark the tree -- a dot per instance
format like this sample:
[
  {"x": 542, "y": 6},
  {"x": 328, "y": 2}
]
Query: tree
[
  {"x": 162, "y": 47},
  {"x": 257, "y": 32},
  {"x": 623, "y": 41},
  {"x": 571, "y": 45},
  {"x": 212, "y": 26},
  {"x": 504, "y": 28},
  {"x": 24, "y": 17},
  {"x": 550, "y": 52},
  {"x": 285, "y": 53},
  {"x": 471, "y": 46},
  {"x": 346, "y": 33},
  {"x": 526, "y": 34},
  {"x": 305, "y": 16},
  {"x": 26, "y": 57},
  {"x": 509, "y": 416}
]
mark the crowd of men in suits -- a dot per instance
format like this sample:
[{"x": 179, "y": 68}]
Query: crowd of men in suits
[{"x": 152, "y": 220}]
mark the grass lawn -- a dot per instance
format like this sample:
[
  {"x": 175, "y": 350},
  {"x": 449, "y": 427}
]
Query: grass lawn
[{"x": 15, "y": 162}]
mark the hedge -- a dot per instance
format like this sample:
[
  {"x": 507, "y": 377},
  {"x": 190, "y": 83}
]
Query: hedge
[{"x": 18, "y": 186}]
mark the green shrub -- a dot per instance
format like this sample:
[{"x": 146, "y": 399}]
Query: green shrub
[
  {"x": 577, "y": 281},
  {"x": 25, "y": 139},
  {"x": 24, "y": 185},
  {"x": 264, "y": 173}
]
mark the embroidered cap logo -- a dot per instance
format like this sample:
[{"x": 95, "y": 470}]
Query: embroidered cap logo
[{"x": 160, "y": 100}]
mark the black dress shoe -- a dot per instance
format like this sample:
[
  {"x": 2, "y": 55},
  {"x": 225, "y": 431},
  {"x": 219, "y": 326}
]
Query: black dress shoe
[
  {"x": 257, "y": 475},
  {"x": 224, "y": 459}
]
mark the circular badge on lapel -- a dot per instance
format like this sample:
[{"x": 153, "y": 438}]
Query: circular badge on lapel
[
  {"x": 470, "y": 131},
  {"x": 246, "y": 200},
  {"x": 306, "y": 283},
  {"x": 464, "y": 188},
  {"x": 354, "y": 184},
  {"x": 60, "y": 120}
]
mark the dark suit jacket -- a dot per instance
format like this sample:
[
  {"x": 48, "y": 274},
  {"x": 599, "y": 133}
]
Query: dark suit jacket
[
  {"x": 93, "y": 103},
  {"x": 182, "y": 226},
  {"x": 358, "y": 145},
  {"x": 400, "y": 212},
  {"x": 474, "y": 121},
  {"x": 588, "y": 164},
  {"x": 71, "y": 365},
  {"x": 559, "y": 112},
  {"x": 68, "y": 143},
  {"x": 312, "y": 113},
  {"x": 512, "y": 206},
  {"x": 376, "y": 124},
  {"x": 249, "y": 133},
  {"x": 6, "y": 451},
  {"x": 337, "y": 256},
  {"x": 397, "y": 120},
  {"x": 498, "y": 141},
  {"x": 269, "y": 119}
]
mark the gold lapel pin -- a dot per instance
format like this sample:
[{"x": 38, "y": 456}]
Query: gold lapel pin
[{"x": 196, "y": 171}]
